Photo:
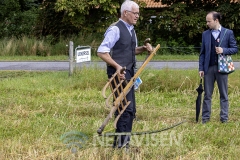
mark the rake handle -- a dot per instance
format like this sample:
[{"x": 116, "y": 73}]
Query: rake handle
[{"x": 105, "y": 122}]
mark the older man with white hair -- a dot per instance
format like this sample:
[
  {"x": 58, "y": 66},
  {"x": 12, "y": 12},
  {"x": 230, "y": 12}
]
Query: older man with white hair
[{"x": 118, "y": 50}]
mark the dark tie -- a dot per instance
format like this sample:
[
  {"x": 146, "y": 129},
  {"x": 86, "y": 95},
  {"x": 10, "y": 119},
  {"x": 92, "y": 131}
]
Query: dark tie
[
  {"x": 133, "y": 44},
  {"x": 133, "y": 32}
]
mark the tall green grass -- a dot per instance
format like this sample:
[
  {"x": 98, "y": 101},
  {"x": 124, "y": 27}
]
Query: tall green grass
[
  {"x": 38, "y": 108},
  {"x": 26, "y": 48}
]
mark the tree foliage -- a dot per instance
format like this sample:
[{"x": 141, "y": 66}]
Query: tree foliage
[
  {"x": 51, "y": 23},
  {"x": 90, "y": 15},
  {"x": 17, "y": 17},
  {"x": 179, "y": 24},
  {"x": 184, "y": 21},
  {"x": 71, "y": 17}
]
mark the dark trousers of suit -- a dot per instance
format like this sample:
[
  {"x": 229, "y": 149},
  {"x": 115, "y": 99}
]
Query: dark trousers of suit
[
  {"x": 125, "y": 121},
  {"x": 222, "y": 83}
]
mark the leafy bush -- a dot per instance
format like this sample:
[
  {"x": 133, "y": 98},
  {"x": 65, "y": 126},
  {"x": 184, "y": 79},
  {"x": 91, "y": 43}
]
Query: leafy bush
[{"x": 17, "y": 19}]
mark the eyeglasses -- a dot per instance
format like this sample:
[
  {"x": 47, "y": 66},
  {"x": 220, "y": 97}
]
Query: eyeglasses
[{"x": 135, "y": 13}]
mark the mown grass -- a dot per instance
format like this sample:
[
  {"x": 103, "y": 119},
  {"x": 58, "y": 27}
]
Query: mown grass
[{"x": 38, "y": 108}]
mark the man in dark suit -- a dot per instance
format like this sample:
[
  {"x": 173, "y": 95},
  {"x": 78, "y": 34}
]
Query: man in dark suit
[{"x": 216, "y": 40}]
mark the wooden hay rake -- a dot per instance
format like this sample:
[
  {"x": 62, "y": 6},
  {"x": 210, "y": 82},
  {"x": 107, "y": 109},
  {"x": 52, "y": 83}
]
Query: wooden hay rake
[{"x": 119, "y": 92}]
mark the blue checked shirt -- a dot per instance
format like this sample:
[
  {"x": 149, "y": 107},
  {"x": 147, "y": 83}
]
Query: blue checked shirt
[{"x": 216, "y": 33}]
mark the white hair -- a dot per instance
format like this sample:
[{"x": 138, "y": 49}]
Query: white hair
[{"x": 128, "y": 5}]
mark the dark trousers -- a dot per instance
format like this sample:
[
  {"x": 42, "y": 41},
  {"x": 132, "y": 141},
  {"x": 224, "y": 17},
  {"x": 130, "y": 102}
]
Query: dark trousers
[
  {"x": 124, "y": 124},
  {"x": 125, "y": 121},
  {"x": 222, "y": 83}
]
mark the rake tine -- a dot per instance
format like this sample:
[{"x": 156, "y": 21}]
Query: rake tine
[
  {"x": 120, "y": 113},
  {"x": 110, "y": 81},
  {"x": 113, "y": 92}
]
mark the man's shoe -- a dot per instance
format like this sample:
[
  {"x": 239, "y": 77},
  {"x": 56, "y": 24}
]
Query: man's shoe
[
  {"x": 205, "y": 121},
  {"x": 224, "y": 121}
]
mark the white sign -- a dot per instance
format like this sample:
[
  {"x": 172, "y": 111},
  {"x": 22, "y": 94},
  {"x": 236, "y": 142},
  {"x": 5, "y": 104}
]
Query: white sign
[{"x": 83, "y": 54}]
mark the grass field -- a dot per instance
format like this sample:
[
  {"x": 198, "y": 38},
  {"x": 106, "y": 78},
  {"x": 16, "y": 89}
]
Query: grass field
[{"x": 49, "y": 115}]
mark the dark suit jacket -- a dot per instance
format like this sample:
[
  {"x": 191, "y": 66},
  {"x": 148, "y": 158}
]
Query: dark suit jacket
[{"x": 228, "y": 44}]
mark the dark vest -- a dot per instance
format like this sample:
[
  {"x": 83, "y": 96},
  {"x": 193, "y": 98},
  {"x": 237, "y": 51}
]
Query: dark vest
[
  {"x": 123, "y": 52},
  {"x": 213, "y": 55}
]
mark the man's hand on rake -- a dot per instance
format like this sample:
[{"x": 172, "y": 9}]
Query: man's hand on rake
[
  {"x": 147, "y": 46},
  {"x": 121, "y": 72}
]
